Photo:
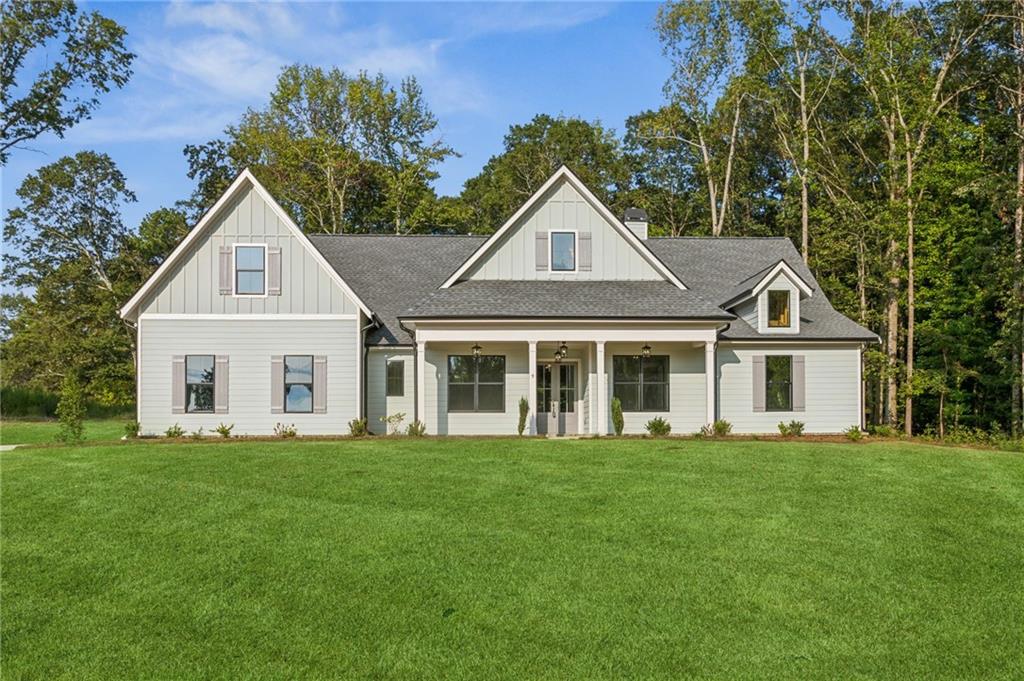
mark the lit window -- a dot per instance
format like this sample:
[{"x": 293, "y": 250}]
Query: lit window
[
  {"x": 778, "y": 309},
  {"x": 395, "y": 380},
  {"x": 563, "y": 252},
  {"x": 199, "y": 378},
  {"x": 250, "y": 270},
  {"x": 778, "y": 383},
  {"x": 298, "y": 383}
]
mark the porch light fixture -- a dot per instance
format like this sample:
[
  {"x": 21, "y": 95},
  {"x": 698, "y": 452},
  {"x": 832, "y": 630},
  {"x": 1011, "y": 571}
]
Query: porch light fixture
[
  {"x": 476, "y": 350},
  {"x": 558, "y": 356},
  {"x": 645, "y": 351},
  {"x": 564, "y": 350}
]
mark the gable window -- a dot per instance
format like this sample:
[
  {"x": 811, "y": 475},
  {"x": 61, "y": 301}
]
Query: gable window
[
  {"x": 778, "y": 309},
  {"x": 250, "y": 270},
  {"x": 563, "y": 251},
  {"x": 476, "y": 383},
  {"x": 778, "y": 383},
  {"x": 298, "y": 384},
  {"x": 199, "y": 381},
  {"x": 395, "y": 379},
  {"x": 641, "y": 383}
]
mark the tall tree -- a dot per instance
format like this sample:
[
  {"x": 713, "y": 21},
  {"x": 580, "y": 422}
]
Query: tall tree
[{"x": 88, "y": 58}]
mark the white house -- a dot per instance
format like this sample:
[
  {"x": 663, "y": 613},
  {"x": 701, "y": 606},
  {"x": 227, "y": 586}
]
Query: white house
[{"x": 251, "y": 322}]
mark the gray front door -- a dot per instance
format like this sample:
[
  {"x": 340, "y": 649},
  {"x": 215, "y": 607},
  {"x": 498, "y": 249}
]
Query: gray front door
[{"x": 556, "y": 399}]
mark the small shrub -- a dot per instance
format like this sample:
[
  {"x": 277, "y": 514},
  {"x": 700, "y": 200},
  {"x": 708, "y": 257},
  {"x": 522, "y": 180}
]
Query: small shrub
[
  {"x": 393, "y": 423},
  {"x": 131, "y": 429},
  {"x": 358, "y": 428},
  {"x": 719, "y": 428},
  {"x": 618, "y": 421},
  {"x": 883, "y": 430},
  {"x": 71, "y": 409},
  {"x": 197, "y": 434},
  {"x": 791, "y": 429},
  {"x": 281, "y": 430},
  {"x": 524, "y": 411},
  {"x": 416, "y": 429},
  {"x": 224, "y": 430},
  {"x": 658, "y": 427},
  {"x": 175, "y": 431},
  {"x": 853, "y": 433}
]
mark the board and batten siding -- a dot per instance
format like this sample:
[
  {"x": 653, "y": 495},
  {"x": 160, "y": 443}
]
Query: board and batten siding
[
  {"x": 249, "y": 345},
  {"x": 564, "y": 209},
  {"x": 832, "y": 388},
  {"x": 781, "y": 282},
  {"x": 306, "y": 288},
  {"x": 378, "y": 404}
]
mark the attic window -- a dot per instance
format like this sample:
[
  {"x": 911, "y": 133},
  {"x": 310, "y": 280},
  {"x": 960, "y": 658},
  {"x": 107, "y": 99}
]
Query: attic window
[
  {"x": 563, "y": 251},
  {"x": 250, "y": 270},
  {"x": 778, "y": 309}
]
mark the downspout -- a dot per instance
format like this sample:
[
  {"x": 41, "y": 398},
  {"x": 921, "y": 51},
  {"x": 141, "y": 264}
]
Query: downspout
[
  {"x": 415, "y": 371},
  {"x": 374, "y": 323}
]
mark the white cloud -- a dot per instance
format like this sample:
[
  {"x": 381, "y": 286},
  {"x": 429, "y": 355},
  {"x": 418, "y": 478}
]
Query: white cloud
[
  {"x": 474, "y": 20},
  {"x": 253, "y": 20}
]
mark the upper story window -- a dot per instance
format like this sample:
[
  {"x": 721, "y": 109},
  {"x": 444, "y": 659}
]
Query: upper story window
[
  {"x": 563, "y": 251},
  {"x": 778, "y": 309},
  {"x": 298, "y": 384},
  {"x": 250, "y": 270},
  {"x": 199, "y": 378}
]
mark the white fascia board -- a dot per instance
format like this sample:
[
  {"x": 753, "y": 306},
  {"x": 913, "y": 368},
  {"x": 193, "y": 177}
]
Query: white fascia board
[
  {"x": 239, "y": 183},
  {"x": 790, "y": 274},
  {"x": 565, "y": 173}
]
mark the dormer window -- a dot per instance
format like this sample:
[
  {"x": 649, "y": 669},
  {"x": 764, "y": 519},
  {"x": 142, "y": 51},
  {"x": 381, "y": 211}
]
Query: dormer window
[
  {"x": 563, "y": 251},
  {"x": 250, "y": 270},
  {"x": 778, "y": 309}
]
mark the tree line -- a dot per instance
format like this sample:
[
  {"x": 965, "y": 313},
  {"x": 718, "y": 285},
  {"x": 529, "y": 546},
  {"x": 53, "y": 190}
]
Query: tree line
[{"x": 885, "y": 139}]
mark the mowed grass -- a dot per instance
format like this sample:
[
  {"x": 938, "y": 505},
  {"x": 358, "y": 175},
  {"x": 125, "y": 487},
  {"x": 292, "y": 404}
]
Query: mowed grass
[
  {"x": 17, "y": 432},
  {"x": 470, "y": 559}
]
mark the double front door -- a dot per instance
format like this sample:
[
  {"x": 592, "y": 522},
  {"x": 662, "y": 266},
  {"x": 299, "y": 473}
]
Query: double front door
[{"x": 557, "y": 385}]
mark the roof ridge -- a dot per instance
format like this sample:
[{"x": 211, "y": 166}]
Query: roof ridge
[
  {"x": 400, "y": 236},
  {"x": 718, "y": 238}
]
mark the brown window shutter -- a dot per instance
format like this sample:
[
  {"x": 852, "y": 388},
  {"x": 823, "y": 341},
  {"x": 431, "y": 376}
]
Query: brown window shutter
[
  {"x": 319, "y": 384},
  {"x": 225, "y": 271},
  {"x": 759, "y": 383},
  {"x": 542, "y": 251},
  {"x": 178, "y": 384},
  {"x": 274, "y": 271},
  {"x": 277, "y": 384},
  {"x": 586, "y": 256},
  {"x": 799, "y": 384},
  {"x": 220, "y": 385}
]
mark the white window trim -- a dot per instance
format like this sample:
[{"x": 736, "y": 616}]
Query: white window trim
[
  {"x": 794, "y": 313},
  {"x": 575, "y": 251},
  {"x": 234, "y": 271}
]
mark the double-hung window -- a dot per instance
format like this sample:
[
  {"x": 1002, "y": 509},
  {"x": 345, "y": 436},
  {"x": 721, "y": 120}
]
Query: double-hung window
[
  {"x": 778, "y": 309},
  {"x": 778, "y": 383},
  {"x": 476, "y": 383},
  {"x": 395, "y": 379},
  {"x": 641, "y": 383},
  {"x": 250, "y": 270},
  {"x": 298, "y": 384},
  {"x": 563, "y": 251},
  {"x": 199, "y": 381}
]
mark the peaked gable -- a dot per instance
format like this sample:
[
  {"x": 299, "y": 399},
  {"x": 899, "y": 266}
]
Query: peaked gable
[{"x": 606, "y": 249}]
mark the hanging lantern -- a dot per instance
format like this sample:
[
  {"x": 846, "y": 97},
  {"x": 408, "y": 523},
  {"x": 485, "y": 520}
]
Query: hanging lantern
[
  {"x": 558, "y": 356},
  {"x": 564, "y": 350},
  {"x": 645, "y": 351},
  {"x": 476, "y": 350}
]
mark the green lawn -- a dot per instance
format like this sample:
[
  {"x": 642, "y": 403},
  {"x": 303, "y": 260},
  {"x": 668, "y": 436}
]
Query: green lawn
[
  {"x": 18, "y": 432},
  {"x": 512, "y": 558}
]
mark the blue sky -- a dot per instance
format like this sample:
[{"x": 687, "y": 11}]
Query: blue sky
[{"x": 482, "y": 68}]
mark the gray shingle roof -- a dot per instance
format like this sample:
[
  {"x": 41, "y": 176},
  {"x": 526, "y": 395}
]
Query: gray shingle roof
[{"x": 399, "y": 276}]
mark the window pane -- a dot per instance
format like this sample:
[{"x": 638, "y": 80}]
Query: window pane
[
  {"x": 396, "y": 379},
  {"x": 778, "y": 380},
  {"x": 249, "y": 258},
  {"x": 626, "y": 368},
  {"x": 199, "y": 369},
  {"x": 199, "y": 398},
  {"x": 249, "y": 283},
  {"x": 298, "y": 397},
  {"x": 655, "y": 369},
  {"x": 629, "y": 394},
  {"x": 563, "y": 251},
  {"x": 778, "y": 309},
  {"x": 298, "y": 369},
  {"x": 543, "y": 388},
  {"x": 492, "y": 398},
  {"x": 655, "y": 397},
  {"x": 460, "y": 397},
  {"x": 460, "y": 369},
  {"x": 492, "y": 369}
]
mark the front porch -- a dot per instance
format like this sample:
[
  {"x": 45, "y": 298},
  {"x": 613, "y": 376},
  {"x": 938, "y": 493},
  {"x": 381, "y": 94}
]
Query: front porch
[{"x": 470, "y": 377}]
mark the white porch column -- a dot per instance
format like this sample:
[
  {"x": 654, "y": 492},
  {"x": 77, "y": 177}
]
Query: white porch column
[
  {"x": 711, "y": 371},
  {"x": 531, "y": 395},
  {"x": 602, "y": 392},
  {"x": 421, "y": 381}
]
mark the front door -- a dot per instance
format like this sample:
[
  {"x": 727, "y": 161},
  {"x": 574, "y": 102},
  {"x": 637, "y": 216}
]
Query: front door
[{"x": 556, "y": 399}]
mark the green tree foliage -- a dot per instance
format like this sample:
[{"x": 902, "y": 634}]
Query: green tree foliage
[
  {"x": 71, "y": 409},
  {"x": 86, "y": 57}
]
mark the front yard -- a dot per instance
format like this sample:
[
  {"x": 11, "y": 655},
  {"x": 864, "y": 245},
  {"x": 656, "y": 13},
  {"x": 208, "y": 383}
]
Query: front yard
[{"x": 512, "y": 559}]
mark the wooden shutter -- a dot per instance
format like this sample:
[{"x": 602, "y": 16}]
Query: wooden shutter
[
  {"x": 759, "y": 385},
  {"x": 586, "y": 252},
  {"x": 220, "y": 385},
  {"x": 277, "y": 384},
  {"x": 225, "y": 270},
  {"x": 319, "y": 384},
  {"x": 799, "y": 384},
  {"x": 178, "y": 384},
  {"x": 542, "y": 251},
  {"x": 274, "y": 271}
]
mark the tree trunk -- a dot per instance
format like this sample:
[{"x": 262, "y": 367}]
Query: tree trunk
[
  {"x": 908, "y": 416},
  {"x": 805, "y": 206},
  {"x": 892, "y": 333}
]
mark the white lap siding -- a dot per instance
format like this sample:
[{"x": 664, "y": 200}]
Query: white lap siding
[
  {"x": 378, "y": 404},
  {"x": 249, "y": 345},
  {"x": 832, "y": 388}
]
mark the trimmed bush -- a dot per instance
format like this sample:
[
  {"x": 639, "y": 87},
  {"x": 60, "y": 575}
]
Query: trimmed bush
[
  {"x": 71, "y": 409},
  {"x": 224, "y": 430},
  {"x": 719, "y": 428},
  {"x": 791, "y": 429},
  {"x": 853, "y": 433},
  {"x": 131, "y": 429},
  {"x": 174, "y": 431},
  {"x": 618, "y": 421},
  {"x": 658, "y": 427},
  {"x": 416, "y": 429},
  {"x": 524, "y": 411},
  {"x": 358, "y": 428}
]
